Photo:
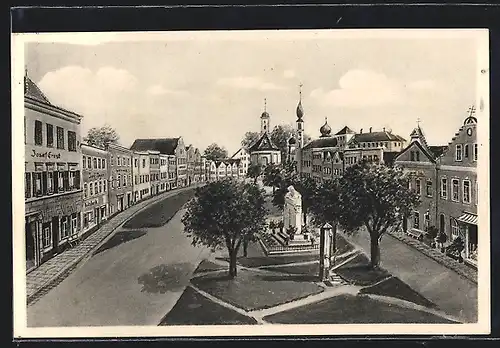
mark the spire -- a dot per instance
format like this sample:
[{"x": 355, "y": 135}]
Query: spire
[
  {"x": 300, "y": 110},
  {"x": 265, "y": 104}
]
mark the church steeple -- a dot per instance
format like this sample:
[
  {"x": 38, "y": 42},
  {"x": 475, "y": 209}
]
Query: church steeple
[
  {"x": 264, "y": 119},
  {"x": 300, "y": 122}
]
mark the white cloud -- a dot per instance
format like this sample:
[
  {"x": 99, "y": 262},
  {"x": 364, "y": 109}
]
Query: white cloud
[
  {"x": 422, "y": 85},
  {"x": 157, "y": 90},
  {"x": 248, "y": 82},
  {"x": 289, "y": 74}
]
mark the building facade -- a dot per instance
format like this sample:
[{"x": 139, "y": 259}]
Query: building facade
[
  {"x": 120, "y": 185},
  {"x": 263, "y": 151},
  {"x": 95, "y": 190},
  {"x": 244, "y": 156},
  {"x": 154, "y": 172},
  {"x": 199, "y": 168},
  {"x": 53, "y": 180},
  {"x": 142, "y": 188},
  {"x": 163, "y": 172},
  {"x": 190, "y": 164}
]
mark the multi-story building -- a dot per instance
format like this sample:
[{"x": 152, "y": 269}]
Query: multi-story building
[
  {"x": 154, "y": 172},
  {"x": 142, "y": 188},
  {"x": 120, "y": 184},
  {"x": 211, "y": 170},
  {"x": 204, "y": 169},
  {"x": 244, "y": 156},
  {"x": 190, "y": 159},
  {"x": 198, "y": 167},
  {"x": 446, "y": 179},
  {"x": 95, "y": 191},
  {"x": 168, "y": 146},
  {"x": 135, "y": 177},
  {"x": 163, "y": 172},
  {"x": 53, "y": 180},
  {"x": 172, "y": 172}
]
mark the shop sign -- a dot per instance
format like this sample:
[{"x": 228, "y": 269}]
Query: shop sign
[
  {"x": 91, "y": 202},
  {"x": 45, "y": 155}
]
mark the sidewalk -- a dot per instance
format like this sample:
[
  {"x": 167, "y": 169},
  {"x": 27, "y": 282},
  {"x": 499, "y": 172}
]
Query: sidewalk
[
  {"x": 435, "y": 254},
  {"x": 52, "y": 272}
]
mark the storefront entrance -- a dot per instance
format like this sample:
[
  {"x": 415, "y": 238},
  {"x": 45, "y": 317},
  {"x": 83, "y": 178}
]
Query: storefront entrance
[
  {"x": 30, "y": 231},
  {"x": 120, "y": 204},
  {"x": 472, "y": 243},
  {"x": 55, "y": 234}
]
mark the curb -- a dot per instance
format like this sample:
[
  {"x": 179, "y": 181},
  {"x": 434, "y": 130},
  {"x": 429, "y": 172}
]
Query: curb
[
  {"x": 50, "y": 284},
  {"x": 438, "y": 260}
]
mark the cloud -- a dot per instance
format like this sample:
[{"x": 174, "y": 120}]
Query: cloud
[
  {"x": 422, "y": 85},
  {"x": 289, "y": 74},
  {"x": 157, "y": 90},
  {"x": 248, "y": 82}
]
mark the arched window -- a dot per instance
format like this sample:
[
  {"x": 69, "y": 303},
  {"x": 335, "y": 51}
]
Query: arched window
[
  {"x": 85, "y": 193},
  {"x": 455, "y": 229}
]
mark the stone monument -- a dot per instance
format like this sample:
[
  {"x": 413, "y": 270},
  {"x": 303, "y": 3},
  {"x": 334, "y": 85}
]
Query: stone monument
[{"x": 292, "y": 215}]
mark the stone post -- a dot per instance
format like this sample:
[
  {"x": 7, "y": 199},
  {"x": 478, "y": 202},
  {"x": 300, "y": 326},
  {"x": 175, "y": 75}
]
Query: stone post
[{"x": 324, "y": 251}]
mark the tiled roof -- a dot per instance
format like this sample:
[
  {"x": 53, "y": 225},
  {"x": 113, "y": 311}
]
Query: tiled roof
[
  {"x": 164, "y": 145},
  {"x": 377, "y": 136},
  {"x": 264, "y": 144},
  {"x": 31, "y": 90},
  {"x": 345, "y": 130},
  {"x": 438, "y": 150},
  {"x": 322, "y": 142}
]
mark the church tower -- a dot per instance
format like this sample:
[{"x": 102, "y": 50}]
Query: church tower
[
  {"x": 264, "y": 120},
  {"x": 300, "y": 121}
]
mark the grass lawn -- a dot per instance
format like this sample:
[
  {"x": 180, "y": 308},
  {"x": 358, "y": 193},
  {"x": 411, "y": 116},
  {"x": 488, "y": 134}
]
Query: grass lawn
[
  {"x": 251, "y": 290},
  {"x": 120, "y": 238},
  {"x": 357, "y": 271},
  {"x": 160, "y": 213},
  {"x": 274, "y": 260},
  {"x": 307, "y": 269},
  {"x": 195, "y": 309},
  {"x": 349, "y": 309},
  {"x": 395, "y": 287},
  {"x": 206, "y": 265},
  {"x": 341, "y": 258},
  {"x": 343, "y": 246}
]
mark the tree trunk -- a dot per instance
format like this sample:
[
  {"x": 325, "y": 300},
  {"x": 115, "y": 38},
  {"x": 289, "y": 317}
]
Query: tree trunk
[
  {"x": 232, "y": 263},
  {"x": 374, "y": 252},
  {"x": 274, "y": 189},
  {"x": 245, "y": 248}
]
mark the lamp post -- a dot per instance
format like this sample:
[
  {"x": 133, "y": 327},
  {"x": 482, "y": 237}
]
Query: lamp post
[{"x": 325, "y": 251}]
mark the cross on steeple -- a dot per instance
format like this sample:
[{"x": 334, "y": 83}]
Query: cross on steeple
[
  {"x": 472, "y": 110},
  {"x": 418, "y": 122},
  {"x": 300, "y": 91},
  {"x": 265, "y": 104}
]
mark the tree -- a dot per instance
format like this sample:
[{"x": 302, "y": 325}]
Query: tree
[
  {"x": 254, "y": 171},
  {"x": 214, "y": 152},
  {"x": 272, "y": 176},
  {"x": 226, "y": 213},
  {"x": 101, "y": 136},
  {"x": 375, "y": 197},
  {"x": 249, "y": 139},
  {"x": 325, "y": 205},
  {"x": 280, "y": 136}
]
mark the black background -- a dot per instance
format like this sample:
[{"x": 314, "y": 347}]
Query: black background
[{"x": 38, "y": 19}]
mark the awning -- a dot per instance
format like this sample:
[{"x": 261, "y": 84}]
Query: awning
[{"x": 468, "y": 218}]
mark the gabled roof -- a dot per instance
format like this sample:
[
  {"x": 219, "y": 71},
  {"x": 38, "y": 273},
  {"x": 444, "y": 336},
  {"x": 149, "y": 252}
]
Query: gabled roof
[
  {"x": 31, "y": 90},
  {"x": 322, "y": 142},
  {"x": 345, "y": 130},
  {"x": 264, "y": 144},
  {"x": 426, "y": 152},
  {"x": 241, "y": 148},
  {"x": 377, "y": 136},
  {"x": 438, "y": 150},
  {"x": 163, "y": 145}
]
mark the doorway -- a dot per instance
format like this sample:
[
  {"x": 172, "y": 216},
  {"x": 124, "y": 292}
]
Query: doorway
[
  {"x": 120, "y": 203},
  {"x": 55, "y": 234},
  {"x": 442, "y": 224},
  {"x": 30, "y": 229}
]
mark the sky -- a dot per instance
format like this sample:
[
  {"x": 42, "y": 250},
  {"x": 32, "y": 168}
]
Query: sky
[{"x": 209, "y": 89}]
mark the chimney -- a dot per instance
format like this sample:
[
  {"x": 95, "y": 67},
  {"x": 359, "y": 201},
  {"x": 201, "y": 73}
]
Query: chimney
[
  {"x": 384, "y": 129},
  {"x": 370, "y": 129},
  {"x": 361, "y": 131}
]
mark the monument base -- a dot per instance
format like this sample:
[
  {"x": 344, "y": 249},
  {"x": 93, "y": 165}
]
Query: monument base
[{"x": 299, "y": 239}]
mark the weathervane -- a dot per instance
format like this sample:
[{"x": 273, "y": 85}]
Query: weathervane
[{"x": 472, "y": 110}]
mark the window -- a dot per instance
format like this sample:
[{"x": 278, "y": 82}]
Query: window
[
  {"x": 71, "y": 180},
  {"x": 100, "y": 186},
  {"x": 85, "y": 193},
  {"x": 475, "y": 152},
  {"x": 50, "y": 182},
  {"x": 119, "y": 180},
  {"x": 458, "y": 152},
  {"x": 71, "y": 141},
  {"x": 426, "y": 221},
  {"x": 38, "y": 133},
  {"x": 46, "y": 237},
  {"x": 104, "y": 185},
  {"x": 89, "y": 163},
  {"x": 60, "y": 181},
  {"x": 27, "y": 185},
  {"x": 444, "y": 188},
  {"x": 124, "y": 180},
  {"x": 84, "y": 162},
  {"x": 74, "y": 229},
  {"x": 60, "y": 138},
  {"x": 50, "y": 135},
  {"x": 95, "y": 163},
  {"x": 466, "y": 189},
  {"x": 143, "y": 163},
  {"x": 416, "y": 220},
  {"x": 64, "y": 227},
  {"x": 454, "y": 191},
  {"x": 455, "y": 229},
  {"x": 418, "y": 189},
  {"x": 135, "y": 162},
  {"x": 428, "y": 188},
  {"x": 38, "y": 184},
  {"x": 466, "y": 150},
  {"x": 417, "y": 156},
  {"x": 103, "y": 163},
  {"x": 412, "y": 156}
]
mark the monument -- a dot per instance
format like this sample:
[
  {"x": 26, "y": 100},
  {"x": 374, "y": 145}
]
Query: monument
[{"x": 292, "y": 215}]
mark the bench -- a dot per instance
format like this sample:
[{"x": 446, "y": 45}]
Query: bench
[{"x": 416, "y": 234}]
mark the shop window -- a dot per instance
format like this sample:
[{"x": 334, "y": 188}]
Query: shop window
[
  {"x": 455, "y": 229},
  {"x": 71, "y": 141},
  {"x": 466, "y": 189},
  {"x": 38, "y": 133},
  {"x": 416, "y": 220},
  {"x": 458, "y": 152},
  {"x": 89, "y": 163},
  {"x": 27, "y": 185},
  {"x": 455, "y": 188},
  {"x": 60, "y": 138},
  {"x": 428, "y": 188},
  {"x": 444, "y": 188},
  {"x": 46, "y": 236},
  {"x": 50, "y": 135}
]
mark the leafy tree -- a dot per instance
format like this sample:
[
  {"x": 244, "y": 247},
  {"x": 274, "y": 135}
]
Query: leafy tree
[
  {"x": 101, "y": 136},
  {"x": 249, "y": 139},
  {"x": 254, "y": 171},
  {"x": 375, "y": 197},
  {"x": 280, "y": 136},
  {"x": 272, "y": 176},
  {"x": 325, "y": 205},
  {"x": 214, "y": 152},
  {"x": 225, "y": 213}
]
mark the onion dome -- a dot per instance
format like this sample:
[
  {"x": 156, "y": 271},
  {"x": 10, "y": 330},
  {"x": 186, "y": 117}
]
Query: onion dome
[
  {"x": 265, "y": 114},
  {"x": 325, "y": 129},
  {"x": 300, "y": 111},
  {"x": 292, "y": 141}
]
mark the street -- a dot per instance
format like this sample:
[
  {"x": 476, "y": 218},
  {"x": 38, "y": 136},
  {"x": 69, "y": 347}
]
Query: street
[
  {"x": 133, "y": 283},
  {"x": 453, "y": 293}
]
